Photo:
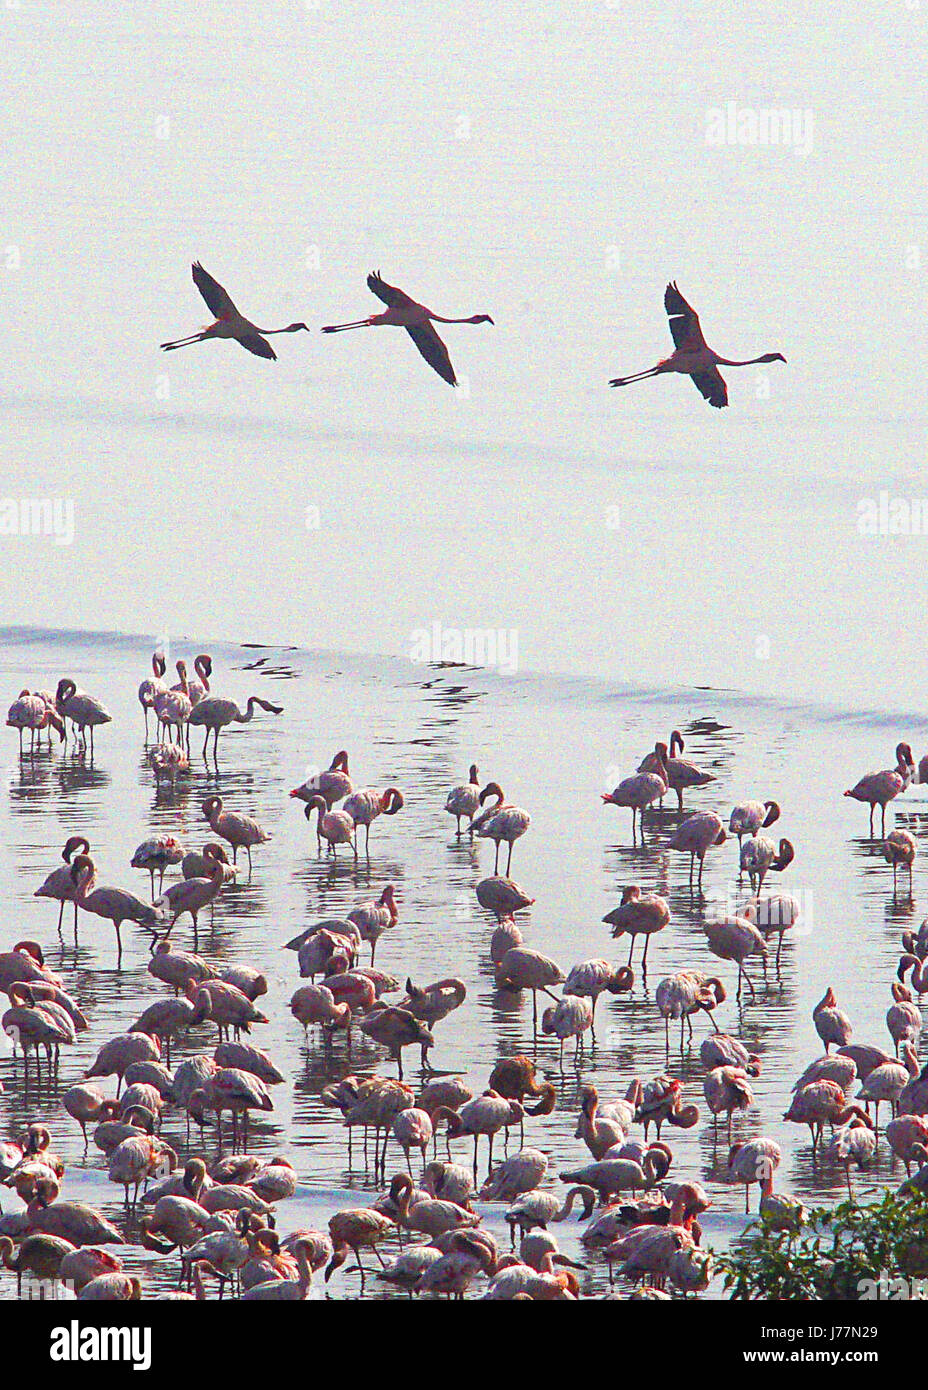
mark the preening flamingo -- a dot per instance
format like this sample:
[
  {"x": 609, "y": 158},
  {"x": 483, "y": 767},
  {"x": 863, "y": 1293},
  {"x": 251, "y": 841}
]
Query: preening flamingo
[
  {"x": 229, "y": 322},
  {"x": 899, "y": 848},
  {"x": 331, "y": 784},
  {"x": 403, "y": 312},
  {"x": 501, "y": 822},
  {"x": 365, "y": 805},
  {"x": 692, "y": 356},
  {"x": 831, "y": 1023},
  {"x": 750, "y": 816},
  {"x": 759, "y": 855}
]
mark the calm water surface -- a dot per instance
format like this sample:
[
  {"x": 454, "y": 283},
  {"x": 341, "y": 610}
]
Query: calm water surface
[{"x": 554, "y": 746}]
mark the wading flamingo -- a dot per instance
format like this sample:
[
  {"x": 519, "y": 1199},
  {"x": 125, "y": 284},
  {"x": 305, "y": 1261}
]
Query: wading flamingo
[
  {"x": 500, "y": 822},
  {"x": 880, "y": 788},
  {"x": 212, "y": 713}
]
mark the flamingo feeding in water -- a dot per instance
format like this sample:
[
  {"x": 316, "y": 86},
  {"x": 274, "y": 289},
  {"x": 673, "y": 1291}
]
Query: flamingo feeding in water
[
  {"x": 692, "y": 356},
  {"x": 403, "y": 312},
  {"x": 229, "y": 322}
]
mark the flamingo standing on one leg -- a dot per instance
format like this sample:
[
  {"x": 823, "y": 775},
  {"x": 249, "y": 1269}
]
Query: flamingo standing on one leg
[
  {"x": 692, "y": 356},
  {"x": 403, "y": 312},
  {"x": 229, "y": 322}
]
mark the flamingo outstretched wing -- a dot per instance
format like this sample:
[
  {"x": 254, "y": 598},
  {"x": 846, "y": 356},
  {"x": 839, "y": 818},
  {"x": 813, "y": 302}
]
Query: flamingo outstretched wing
[
  {"x": 684, "y": 322},
  {"x": 217, "y": 299},
  {"x": 711, "y": 384},
  {"x": 388, "y": 294},
  {"x": 434, "y": 351},
  {"x": 258, "y": 345}
]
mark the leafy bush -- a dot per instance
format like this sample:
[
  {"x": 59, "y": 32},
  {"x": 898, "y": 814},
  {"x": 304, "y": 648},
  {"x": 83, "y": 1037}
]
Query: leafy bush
[{"x": 843, "y": 1253}]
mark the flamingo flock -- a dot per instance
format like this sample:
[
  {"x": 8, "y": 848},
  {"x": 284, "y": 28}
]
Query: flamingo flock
[{"x": 179, "y": 1113}]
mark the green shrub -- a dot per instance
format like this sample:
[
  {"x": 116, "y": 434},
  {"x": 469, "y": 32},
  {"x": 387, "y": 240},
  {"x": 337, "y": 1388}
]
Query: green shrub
[{"x": 844, "y": 1253}]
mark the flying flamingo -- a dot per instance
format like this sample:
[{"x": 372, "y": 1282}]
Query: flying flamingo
[
  {"x": 692, "y": 356},
  {"x": 403, "y": 312},
  {"x": 229, "y": 322}
]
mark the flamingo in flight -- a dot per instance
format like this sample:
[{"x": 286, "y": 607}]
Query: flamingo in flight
[
  {"x": 692, "y": 355},
  {"x": 403, "y": 312},
  {"x": 229, "y": 322}
]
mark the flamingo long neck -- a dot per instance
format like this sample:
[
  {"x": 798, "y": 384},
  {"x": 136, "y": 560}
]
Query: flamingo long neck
[{"x": 731, "y": 362}]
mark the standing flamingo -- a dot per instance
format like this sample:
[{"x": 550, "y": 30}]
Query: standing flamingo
[
  {"x": 154, "y": 685},
  {"x": 640, "y": 790},
  {"x": 692, "y": 356},
  {"x": 899, "y": 848},
  {"x": 229, "y": 322},
  {"x": 59, "y": 884},
  {"x": 241, "y": 831},
  {"x": 465, "y": 799},
  {"x": 365, "y": 805},
  {"x": 403, "y": 312},
  {"x": 85, "y": 711},
  {"x": 696, "y": 836},
  {"x": 880, "y": 788},
  {"x": 638, "y": 914},
  {"x": 212, "y": 713},
  {"x": 500, "y": 822},
  {"x": 681, "y": 773}
]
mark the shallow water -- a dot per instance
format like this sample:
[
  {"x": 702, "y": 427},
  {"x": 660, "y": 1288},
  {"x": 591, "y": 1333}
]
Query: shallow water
[{"x": 554, "y": 746}]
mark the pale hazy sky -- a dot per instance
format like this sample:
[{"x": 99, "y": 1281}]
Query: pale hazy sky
[{"x": 550, "y": 164}]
